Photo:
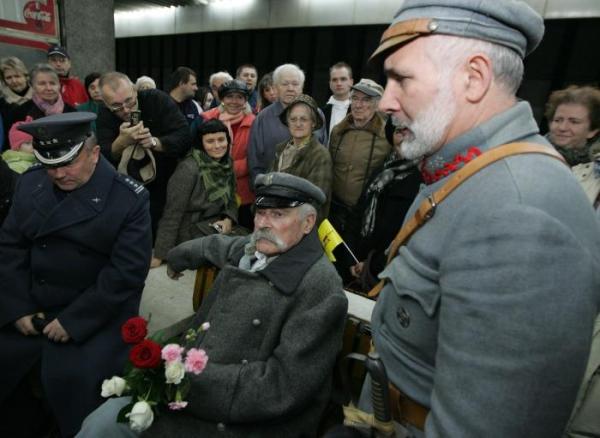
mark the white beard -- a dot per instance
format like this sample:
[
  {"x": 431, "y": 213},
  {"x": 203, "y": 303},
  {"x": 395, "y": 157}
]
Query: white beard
[{"x": 429, "y": 126}]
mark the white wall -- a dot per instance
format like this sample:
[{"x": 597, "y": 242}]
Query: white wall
[{"x": 262, "y": 14}]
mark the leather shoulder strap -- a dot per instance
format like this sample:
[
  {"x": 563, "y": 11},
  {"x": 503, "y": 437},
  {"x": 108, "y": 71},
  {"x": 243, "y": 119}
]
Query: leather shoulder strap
[{"x": 427, "y": 208}]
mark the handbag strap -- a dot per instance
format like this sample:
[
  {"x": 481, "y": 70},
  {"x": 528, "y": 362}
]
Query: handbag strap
[{"x": 427, "y": 208}]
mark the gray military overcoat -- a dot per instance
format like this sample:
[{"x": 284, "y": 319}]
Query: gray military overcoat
[{"x": 272, "y": 343}]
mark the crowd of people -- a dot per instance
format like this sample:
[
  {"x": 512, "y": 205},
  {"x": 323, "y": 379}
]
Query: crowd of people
[{"x": 240, "y": 173}]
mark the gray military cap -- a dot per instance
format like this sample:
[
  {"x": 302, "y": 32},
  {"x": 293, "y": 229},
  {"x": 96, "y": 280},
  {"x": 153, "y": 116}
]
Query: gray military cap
[
  {"x": 282, "y": 190},
  {"x": 510, "y": 23}
]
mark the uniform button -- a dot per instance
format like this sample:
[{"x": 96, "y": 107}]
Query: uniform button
[
  {"x": 271, "y": 284},
  {"x": 41, "y": 281},
  {"x": 220, "y": 427},
  {"x": 403, "y": 317},
  {"x": 43, "y": 246},
  {"x": 244, "y": 361},
  {"x": 256, "y": 322}
]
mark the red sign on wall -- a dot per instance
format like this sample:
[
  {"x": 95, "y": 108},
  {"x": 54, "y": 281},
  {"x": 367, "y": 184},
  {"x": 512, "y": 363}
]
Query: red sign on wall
[{"x": 31, "y": 23}]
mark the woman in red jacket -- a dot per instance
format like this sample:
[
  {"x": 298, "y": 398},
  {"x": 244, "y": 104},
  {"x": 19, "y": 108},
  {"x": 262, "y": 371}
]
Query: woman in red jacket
[{"x": 236, "y": 114}]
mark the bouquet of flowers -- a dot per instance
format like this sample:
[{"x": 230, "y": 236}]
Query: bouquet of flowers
[{"x": 156, "y": 375}]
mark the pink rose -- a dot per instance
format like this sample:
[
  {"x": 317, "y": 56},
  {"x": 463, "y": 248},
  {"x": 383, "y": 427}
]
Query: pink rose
[
  {"x": 195, "y": 360},
  {"x": 177, "y": 405},
  {"x": 172, "y": 352}
]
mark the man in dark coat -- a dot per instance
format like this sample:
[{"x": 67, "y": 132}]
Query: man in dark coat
[
  {"x": 276, "y": 315},
  {"x": 74, "y": 254},
  {"x": 8, "y": 179},
  {"x": 163, "y": 131}
]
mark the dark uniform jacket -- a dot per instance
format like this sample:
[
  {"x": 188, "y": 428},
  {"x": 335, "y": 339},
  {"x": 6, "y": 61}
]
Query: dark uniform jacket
[
  {"x": 7, "y": 185},
  {"x": 83, "y": 260},
  {"x": 162, "y": 116},
  {"x": 272, "y": 343}
]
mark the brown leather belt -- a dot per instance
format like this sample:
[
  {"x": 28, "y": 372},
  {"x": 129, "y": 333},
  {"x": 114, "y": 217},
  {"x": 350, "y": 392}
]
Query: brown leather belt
[{"x": 405, "y": 410}]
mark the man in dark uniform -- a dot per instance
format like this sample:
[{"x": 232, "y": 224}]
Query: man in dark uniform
[{"x": 74, "y": 254}]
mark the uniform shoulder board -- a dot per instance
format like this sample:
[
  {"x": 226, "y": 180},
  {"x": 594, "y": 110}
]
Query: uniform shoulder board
[
  {"x": 131, "y": 183},
  {"x": 33, "y": 167}
]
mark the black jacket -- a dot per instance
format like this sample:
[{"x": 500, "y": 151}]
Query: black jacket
[
  {"x": 8, "y": 179},
  {"x": 161, "y": 115}
]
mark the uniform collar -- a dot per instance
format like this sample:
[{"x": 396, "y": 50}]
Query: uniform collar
[
  {"x": 287, "y": 270},
  {"x": 511, "y": 125}
]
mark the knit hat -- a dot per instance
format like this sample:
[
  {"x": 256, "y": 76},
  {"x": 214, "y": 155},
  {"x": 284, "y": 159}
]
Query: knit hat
[{"x": 16, "y": 138}]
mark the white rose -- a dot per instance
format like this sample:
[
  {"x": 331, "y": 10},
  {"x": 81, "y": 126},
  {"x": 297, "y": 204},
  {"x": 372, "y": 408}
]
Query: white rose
[
  {"x": 114, "y": 386},
  {"x": 140, "y": 417},
  {"x": 174, "y": 372}
]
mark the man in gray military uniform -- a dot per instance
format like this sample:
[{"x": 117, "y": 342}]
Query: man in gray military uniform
[
  {"x": 276, "y": 314},
  {"x": 487, "y": 314}
]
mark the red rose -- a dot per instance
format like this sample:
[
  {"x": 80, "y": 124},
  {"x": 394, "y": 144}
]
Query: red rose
[
  {"x": 134, "y": 330},
  {"x": 146, "y": 354}
]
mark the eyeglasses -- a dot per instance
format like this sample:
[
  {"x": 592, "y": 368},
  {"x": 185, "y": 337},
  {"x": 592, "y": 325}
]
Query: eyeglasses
[
  {"x": 356, "y": 99},
  {"x": 127, "y": 103},
  {"x": 300, "y": 120}
]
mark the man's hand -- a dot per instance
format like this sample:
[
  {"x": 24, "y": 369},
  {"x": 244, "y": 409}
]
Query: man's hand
[
  {"x": 25, "y": 326},
  {"x": 155, "y": 262},
  {"x": 144, "y": 138},
  {"x": 172, "y": 274},
  {"x": 225, "y": 225},
  {"x": 127, "y": 133},
  {"x": 55, "y": 331},
  {"x": 357, "y": 269}
]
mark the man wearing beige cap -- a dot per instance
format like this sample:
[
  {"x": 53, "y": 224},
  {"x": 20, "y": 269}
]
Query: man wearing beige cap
[
  {"x": 485, "y": 320},
  {"x": 358, "y": 146}
]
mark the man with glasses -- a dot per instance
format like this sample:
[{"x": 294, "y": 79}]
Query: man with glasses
[
  {"x": 358, "y": 146},
  {"x": 162, "y": 130},
  {"x": 74, "y": 254}
]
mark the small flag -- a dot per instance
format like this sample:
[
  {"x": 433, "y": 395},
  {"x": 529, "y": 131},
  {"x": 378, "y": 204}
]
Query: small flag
[{"x": 330, "y": 239}]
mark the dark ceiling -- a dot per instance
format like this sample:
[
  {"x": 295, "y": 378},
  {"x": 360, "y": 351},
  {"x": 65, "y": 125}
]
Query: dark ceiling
[{"x": 128, "y": 5}]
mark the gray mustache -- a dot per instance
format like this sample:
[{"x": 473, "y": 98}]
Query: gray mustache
[{"x": 267, "y": 235}]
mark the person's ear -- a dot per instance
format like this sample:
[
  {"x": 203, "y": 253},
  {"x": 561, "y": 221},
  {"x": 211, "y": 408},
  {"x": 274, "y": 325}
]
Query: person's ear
[
  {"x": 478, "y": 76},
  {"x": 309, "y": 223}
]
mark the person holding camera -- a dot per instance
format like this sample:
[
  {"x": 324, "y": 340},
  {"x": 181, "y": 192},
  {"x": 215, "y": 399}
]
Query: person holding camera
[
  {"x": 201, "y": 193},
  {"x": 133, "y": 123}
]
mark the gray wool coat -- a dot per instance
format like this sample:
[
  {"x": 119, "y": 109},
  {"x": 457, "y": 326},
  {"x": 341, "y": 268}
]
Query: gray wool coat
[
  {"x": 487, "y": 317},
  {"x": 272, "y": 343}
]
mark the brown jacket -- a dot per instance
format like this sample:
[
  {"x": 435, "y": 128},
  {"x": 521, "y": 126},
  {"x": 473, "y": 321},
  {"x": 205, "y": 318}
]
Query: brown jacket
[
  {"x": 355, "y": 153},
  {"x": 313, "y": 163}
]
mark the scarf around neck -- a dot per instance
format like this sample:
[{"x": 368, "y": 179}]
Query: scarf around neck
[
  {"x": 393, "y": 170},
  {"x": 217, "y": 176},
  {"x": 49, "y": 108}
]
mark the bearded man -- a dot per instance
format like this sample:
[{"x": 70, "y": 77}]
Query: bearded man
[
  {"x": 276, "y": 313},
  {"x": 485, "y": 322}
]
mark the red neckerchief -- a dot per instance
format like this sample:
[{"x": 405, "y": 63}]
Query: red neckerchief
[{"x": 449, "y": 167}]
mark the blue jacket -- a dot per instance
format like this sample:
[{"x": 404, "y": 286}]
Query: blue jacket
[{"x": 83, "y": 260}]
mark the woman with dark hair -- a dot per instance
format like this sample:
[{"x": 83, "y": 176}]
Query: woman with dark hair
[
  {"x": 236, "y": 114},
  {"x": 204, "y": 98},
  {"x": 94, "y": 103},
  {"x": 574, "y": 122},
  {"x": 200, "y": 193},
  {"x": 267, "y": 93},
  {"x": 46, "y": 99}
]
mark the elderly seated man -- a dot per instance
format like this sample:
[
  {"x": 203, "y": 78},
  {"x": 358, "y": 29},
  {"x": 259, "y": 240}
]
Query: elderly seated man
[{"x": 276, "y": 313}]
